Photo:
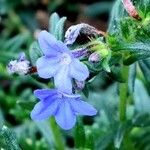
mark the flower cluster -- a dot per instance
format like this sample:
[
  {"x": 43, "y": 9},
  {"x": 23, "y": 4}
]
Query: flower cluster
[
  {"x": 20, "y": 66},
  {"x": 60, "y": 64}
]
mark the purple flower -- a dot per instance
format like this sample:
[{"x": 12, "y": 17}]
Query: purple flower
[
  {"x": 80, "y": 53},
  {"x": 63, "y": 106},
  {"x": 74, "y": 31},
  {"x": 20, "y": 66},
  {"x": 59, "y": 62},
  {"x": 94, "y": 57}
]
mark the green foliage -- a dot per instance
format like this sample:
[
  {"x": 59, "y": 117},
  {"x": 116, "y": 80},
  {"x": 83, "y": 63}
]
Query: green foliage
[
  {"x": 59, "y": 33},
  {"x": 35, "y": 52},
  {"x": 79, "y": 135},
  {"x": 57, "y": 26},
  {"x": 8, "y": 139},
  {"x": 54, "y": 18},
  {"x": 130, "y": 37}
]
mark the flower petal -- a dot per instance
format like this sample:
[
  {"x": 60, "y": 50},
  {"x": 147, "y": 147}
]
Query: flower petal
[
  {"x": 62, "y": 80},
  {"x": 45, "y": 93},
  {"x": 83, "y": 108},
  {"x": 65, "y": 116},
  {"x": 45, "y": 108},
  {"x": 71, "y": 34},
  {"x": 47, "y": 67},
  {"x": 78, "y": 70},
  {"x": 49, "y": 44},
  {"x": 61, "y": 47}
]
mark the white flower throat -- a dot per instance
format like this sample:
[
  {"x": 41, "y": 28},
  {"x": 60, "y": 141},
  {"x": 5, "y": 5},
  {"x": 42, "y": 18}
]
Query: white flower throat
[{"x": 65, "y": 59}]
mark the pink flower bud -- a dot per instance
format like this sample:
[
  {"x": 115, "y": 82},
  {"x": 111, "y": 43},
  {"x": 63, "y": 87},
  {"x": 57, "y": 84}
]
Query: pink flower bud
[
  {"x": 130, "y": 8},
  {"x": 94, "y": 57}
]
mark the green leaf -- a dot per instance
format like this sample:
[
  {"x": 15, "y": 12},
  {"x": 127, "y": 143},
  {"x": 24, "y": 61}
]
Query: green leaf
[
  {"x": 9, "y": 139},
  {"x": 59, "y": 144},
  {"x": 120, "y": 135},
  {"x": 134, "y": 51},
  {"x": 134, "y": 47},
  {"x": 26, "y": 104},
  {"x": 147, "y": 62},
  {"x": 105, "y": 65},
  {"x": 46, "y": 131},
  {"x": 59, "y": 29},
  {"x": 131, "y": 78},
  {"x": 79, "y": 135},
  {"x": 35, "y": 52},
  {"x": 143, "y": 7},
  {"x": 53, "y": 21},
  {"x": 86, "y": 90},
  {"x": 117, "y": 13},
  {"x": 1, "y": 118},
  {"x": 15, "y": 43},
  {"x": 94, "y": 68},
  {"x": 105, "y": 141},
  {"x": 89, "y": 143},
  {"x": 56, "y": 26},
  {"x": 145, "y": 69},
  {"x": 118, "y": 73},
  {"x": 141, "y": 120},
  {"x": 141, "y": 98}
]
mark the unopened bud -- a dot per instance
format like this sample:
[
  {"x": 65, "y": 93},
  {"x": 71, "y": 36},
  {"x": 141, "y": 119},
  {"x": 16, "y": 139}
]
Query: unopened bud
[
  {"x": 130, "y": 8},
  {"x": 94, "y": 57},
  {"x": 79, "y": 85},
  {"x": 74, "y": 31},
  {"x": 20, "y": 66}
]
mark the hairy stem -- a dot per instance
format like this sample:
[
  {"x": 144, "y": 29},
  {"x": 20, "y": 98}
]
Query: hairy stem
[
  {"x": 123, "y": 88},
  {"x": 57, "y": 135},
  {"x": 123, "y": 93}
]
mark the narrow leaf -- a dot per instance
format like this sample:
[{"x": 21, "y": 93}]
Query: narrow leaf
[
  {"x": 132, "y": 76},
  {"x": 53, "y": 21},
  {"x": 59, "y": 30},
  {"x": 9, "y": 139},
  {"x": 35, "y": 52},
  {"x": 79, "y": 135}
]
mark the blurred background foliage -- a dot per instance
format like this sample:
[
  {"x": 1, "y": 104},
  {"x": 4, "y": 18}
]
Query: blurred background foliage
[{"x": 20, "y": 22}]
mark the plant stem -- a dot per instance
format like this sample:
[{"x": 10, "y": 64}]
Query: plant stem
[
  {"x": 123, "y": 91},
  {"x": 57, "y": 135}
]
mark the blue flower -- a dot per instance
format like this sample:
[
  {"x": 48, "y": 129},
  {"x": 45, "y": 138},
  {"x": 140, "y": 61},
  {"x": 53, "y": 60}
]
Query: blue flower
[
  {"x": 63, "y": 106},
  {"x": 72, "y": 33},
  {"x": 20, "y": 66},
  {"x": 59, "y": 62}
]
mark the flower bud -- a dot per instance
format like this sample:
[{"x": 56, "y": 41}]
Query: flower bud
[
  {"x": 74, "y": 31},
  {"x": 100, "y": 53},
  {"x": 99, "y": 47},
  {"x": 20, "y": 66},
  {"x": 130, "y": 8},
  {"x": 94, "y": 57},
  {"x": 79, "y": 85}
]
